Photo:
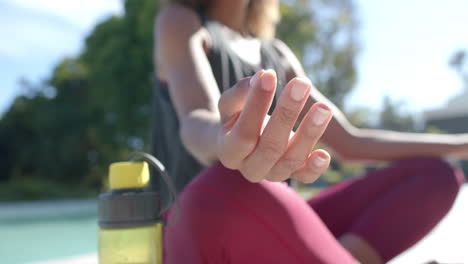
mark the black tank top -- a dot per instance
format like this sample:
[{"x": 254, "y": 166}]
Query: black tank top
[{"x": 228, "y": 68}]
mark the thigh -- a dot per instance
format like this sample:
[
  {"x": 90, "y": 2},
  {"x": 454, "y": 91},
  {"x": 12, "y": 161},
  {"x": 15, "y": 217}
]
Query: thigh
[{"x": 226, "y": 219}]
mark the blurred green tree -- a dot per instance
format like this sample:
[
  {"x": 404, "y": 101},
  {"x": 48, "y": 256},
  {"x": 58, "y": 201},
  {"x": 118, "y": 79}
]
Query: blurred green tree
[
  {"x": 323, "y": 34},
  {"x": 459, "y": 63},
  {"x": 391, "y": 118},
  {"x": 95, "y": 109}
]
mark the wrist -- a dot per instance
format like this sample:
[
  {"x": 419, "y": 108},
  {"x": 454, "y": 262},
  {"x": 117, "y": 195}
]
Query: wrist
[
  {"x": 198, "y": 132},
  {"x": 459, "y": 147}
]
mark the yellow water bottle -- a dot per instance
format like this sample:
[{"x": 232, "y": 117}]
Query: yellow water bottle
[{"x": 130, "y": 227}]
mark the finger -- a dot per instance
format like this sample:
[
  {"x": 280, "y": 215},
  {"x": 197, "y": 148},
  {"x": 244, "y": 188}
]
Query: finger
[
  {"x": 233, "y": 100},
  {"x": 309, "y": 132},
  {"x": 316, "y": 164},
  {"x": 250, "y": 122},
  {"x": 274, "y": 139},
  {"x": 243, "y": 136}
]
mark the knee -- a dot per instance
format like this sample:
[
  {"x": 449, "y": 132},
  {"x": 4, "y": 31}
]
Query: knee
[
  {"x": 446, "y": 174},
  {"x": 440, "y": 178}
]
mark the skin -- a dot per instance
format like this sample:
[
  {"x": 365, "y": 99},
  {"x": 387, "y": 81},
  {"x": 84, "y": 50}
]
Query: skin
[{"x": 262, "y": 146}]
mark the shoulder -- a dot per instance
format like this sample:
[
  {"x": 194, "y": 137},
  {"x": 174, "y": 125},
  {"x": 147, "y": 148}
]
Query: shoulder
[
  {"x": 283, "y": 49},
  {"x": 178, "y": 32},
  {"x": 177, "y": 22},
  {"x": 290, "y": 61}
]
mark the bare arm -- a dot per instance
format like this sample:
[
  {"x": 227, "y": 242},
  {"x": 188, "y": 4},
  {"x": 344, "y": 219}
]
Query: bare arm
[
  {"x": 351, "y": 143},
  {"x": 234, "y": 128},
  {"x": 180, "y": 44}
]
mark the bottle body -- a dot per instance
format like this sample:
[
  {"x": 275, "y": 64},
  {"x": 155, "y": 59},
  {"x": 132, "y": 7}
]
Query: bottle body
[{"x": 142, "y": 245}]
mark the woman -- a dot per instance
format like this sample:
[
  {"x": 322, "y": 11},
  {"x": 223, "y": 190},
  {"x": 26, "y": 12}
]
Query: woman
[{"x": 217, "y": 109}]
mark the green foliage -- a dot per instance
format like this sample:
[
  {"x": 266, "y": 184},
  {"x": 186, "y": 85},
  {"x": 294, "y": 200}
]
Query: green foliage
[
  {"x": 93, "y": 110},
  {"x": 360, "y": 117},
  {"x": 298, "y": 17},
  {"x": 59, "y": 137},
  {"x": 34, "y": 189},
  {"x": 392, "y": 119},
  {"x": 46, "y": 137},
  {"x": 323, "y": 34},
  {"x": 434, "y": 130},
  {"x": 459, "y": 63}
]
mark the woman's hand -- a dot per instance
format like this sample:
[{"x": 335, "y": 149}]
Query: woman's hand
[{"x": 264, "y": 147}]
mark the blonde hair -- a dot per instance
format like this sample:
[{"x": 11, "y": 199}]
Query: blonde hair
[{"x": 262, "y": 16}]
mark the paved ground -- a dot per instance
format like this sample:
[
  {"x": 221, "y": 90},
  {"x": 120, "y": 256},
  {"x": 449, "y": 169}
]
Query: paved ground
[{"x": 448, "y": 243}]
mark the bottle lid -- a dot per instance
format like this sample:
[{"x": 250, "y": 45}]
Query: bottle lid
[
  {"x": 130, "y": 202},
  {"x": 124, "y": 175}
]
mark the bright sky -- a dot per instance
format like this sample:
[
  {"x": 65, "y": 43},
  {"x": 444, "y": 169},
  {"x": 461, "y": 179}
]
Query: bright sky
[
  {"x": 37, "y": 34},
  {"x": 406, "y": 46}
]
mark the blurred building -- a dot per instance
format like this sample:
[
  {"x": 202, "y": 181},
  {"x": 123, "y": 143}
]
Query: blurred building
[{"x": 453, "y": 118}]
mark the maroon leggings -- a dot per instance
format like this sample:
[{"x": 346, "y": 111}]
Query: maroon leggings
[{"x": 226, "y": 219}]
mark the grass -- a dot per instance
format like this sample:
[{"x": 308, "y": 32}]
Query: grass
[{"x": 307, "y": 192}]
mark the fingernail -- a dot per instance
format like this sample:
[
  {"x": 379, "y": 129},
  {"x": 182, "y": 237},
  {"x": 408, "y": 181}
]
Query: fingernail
[
  {"x": 253, "y": 79},
  {"x": 268, "y": 83},
  {"x": 319, "y": 161},
  {"x": 299, "y": 89},
  {"x": 320, "y": 116}
]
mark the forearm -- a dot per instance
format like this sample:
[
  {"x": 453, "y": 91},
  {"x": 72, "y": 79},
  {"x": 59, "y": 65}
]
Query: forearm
[
  {"x": 351, "y": 143},
  {"x": 388, "y": 145},
  {"x": 199, "y": 132}
]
